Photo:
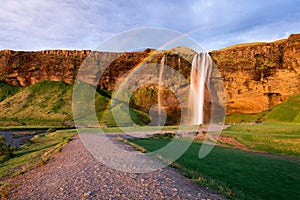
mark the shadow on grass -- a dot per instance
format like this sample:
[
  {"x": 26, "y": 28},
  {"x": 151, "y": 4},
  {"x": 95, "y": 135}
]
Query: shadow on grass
[{"x": 18, "y": 154}]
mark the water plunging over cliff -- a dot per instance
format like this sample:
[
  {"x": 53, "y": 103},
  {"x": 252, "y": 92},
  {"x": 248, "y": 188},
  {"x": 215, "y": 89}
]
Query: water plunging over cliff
[
  {"x": 200, "y": 75},
  {"x": 159, "y": 93}
]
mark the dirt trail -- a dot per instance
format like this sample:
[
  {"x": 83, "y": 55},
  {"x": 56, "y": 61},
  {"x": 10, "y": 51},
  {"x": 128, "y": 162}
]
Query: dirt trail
[{"x": 75, "y": 174}]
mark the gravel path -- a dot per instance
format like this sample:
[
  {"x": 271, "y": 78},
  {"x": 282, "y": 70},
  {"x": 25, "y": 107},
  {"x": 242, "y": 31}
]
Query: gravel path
[{"x": 75, "y": 174}]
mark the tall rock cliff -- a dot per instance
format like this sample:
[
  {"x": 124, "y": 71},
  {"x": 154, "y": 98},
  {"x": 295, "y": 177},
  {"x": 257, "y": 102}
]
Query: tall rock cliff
[
  {"x": 256, "y": 76},
  {"x": 27, "y": 68}
]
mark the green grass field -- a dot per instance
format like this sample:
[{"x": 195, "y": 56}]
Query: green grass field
[
  {"x": 235, "y": 173},
  {"x": 276, "y": 138},
  {"x": 243, "y": 117},
  {"x": 239, "y": 174}
]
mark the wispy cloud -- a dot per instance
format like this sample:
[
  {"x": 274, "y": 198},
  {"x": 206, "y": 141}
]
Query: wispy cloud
[{"x": 83, "y": 24}]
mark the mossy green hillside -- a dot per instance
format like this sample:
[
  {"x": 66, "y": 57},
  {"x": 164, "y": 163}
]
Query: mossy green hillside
[
  {"x": 44, "y": 101},
  {"x": 50, "y": 103},
  {"x": 7, "y": 90},
  {"x": 288, "y": 111}
]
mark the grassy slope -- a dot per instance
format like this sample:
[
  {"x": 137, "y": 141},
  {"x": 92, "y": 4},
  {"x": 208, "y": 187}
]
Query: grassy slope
[
  {"x": 7, "y": 90},
  {"x": 277, "y": 138},
  {"x": 43, "y": 102},
  {"x": 288, "y": 111},
  {"x": 243, "y": 117},
  {"x": 50, "y": 103},
  {"x": 138, "y": 117},
  {"x": 237, "y": 174}
]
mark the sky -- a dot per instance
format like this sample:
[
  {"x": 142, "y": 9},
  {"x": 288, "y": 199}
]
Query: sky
[{"x": 84, "y": 24}]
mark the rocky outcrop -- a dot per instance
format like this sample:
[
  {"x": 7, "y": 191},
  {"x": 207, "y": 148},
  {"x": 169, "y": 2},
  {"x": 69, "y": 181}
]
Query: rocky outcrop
[
  {"x": 256, "y": 76},
  {"x": 27, "y": 68},
  {"x": 260, "y": 75}
]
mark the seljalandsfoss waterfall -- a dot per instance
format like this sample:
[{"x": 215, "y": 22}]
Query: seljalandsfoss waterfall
[
  {"x": 200, "y": 78},
  {"x": 197, "y": 95}
]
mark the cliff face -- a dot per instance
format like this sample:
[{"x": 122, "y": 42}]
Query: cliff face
[
  {"x": 256, "y": 76},
  {"x": 260, "y": 75},
  {"x": 21, "y": 68},
  {"x": 27, "y": 68}
]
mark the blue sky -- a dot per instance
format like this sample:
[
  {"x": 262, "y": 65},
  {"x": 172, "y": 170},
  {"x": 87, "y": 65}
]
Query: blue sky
[{"x": 84, "y": 24}]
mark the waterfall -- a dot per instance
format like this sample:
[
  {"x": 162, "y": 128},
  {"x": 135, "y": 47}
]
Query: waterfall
[
  {"x": 200, "y": 75},
  {"x": 179, "y": 62},
  {"x": 159, "y": 93}
]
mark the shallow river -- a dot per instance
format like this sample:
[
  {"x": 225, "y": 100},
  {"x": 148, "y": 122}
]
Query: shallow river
[{"x": 17, "y": 138}]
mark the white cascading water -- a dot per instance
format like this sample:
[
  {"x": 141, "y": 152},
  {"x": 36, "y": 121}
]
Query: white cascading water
[
  {"x": 161, "y": 72},
  {"x": 200, "y": 75}
]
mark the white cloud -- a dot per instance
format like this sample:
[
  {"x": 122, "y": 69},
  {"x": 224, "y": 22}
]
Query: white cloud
[
  {"x": 262, "y": 33},
  {"x": 54, "y": 24},
  {"x": 82, "y": 24}
]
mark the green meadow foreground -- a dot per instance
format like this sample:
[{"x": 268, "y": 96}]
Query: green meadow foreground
[
  {"x": 236, "y": 173},
  {"x": 244, "y": 174}
]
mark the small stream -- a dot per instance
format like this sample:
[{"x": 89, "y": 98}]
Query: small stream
[{"x": 19, "y": 137}]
